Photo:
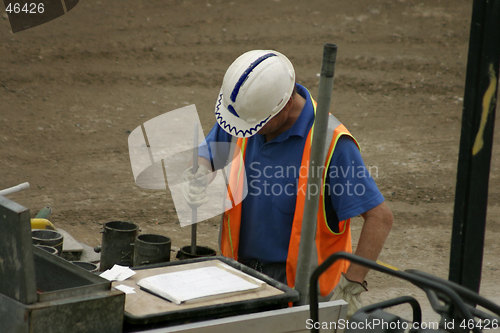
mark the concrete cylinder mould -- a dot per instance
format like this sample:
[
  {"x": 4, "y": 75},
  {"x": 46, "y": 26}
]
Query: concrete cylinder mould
[
  {"x": 201, "y": 251},
  {"x": 49, "y": 249},
  {"x": 117, "y": 244},
  {"x": 151, "y": 249},
  {"x": 48, "y": 238},
  {"x": 91, "y": 267}
]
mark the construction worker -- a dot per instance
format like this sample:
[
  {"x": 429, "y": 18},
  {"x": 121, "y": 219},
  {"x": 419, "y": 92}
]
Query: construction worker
[{"x": 270, "y": 117}]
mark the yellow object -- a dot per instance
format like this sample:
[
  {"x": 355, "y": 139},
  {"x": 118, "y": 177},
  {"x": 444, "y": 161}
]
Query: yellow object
[
  {"x": 38, "y": 223},
  {"x": 387, "y": 265},
  {"x": 488, "y": 98}
]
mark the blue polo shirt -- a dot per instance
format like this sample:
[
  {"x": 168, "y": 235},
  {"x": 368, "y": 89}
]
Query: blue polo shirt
[{"x": 272, "y": 170}]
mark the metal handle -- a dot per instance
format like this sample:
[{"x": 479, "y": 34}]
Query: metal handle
[
  {"x": 14, "y": 189},
  {"x": 419, "y": 281}
]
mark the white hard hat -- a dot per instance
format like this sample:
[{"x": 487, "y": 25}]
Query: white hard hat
[{"x": 256, "y": 86}]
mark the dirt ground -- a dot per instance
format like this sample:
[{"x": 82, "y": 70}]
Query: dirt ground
[{"x": 72, "y": 90}]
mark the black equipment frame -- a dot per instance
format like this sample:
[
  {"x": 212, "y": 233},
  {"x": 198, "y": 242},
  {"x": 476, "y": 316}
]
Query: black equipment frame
[
  {"x": 471, "y": 194},
  {"x": 436, "y": 289}
]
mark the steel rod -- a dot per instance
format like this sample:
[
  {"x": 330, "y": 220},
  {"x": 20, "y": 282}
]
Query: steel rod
[
  {"x": 317, "y": 158},
  {"x": 194, "y": 211}
]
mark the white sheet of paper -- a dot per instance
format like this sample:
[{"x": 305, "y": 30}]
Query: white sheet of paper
[
  {"x": 126, "y": 289},
  {"x": 117, "y": 273}
]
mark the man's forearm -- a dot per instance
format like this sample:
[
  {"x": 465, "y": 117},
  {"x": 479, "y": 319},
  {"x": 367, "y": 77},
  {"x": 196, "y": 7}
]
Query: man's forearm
[
  {"x": 205, "y": 162},
  {"x": 376, "y": 228}
]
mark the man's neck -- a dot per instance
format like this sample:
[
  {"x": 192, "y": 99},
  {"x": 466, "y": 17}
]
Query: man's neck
[{"x": 293, "y": 115}]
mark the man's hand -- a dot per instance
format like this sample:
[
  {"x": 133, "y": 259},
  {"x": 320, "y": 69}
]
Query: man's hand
[
  {"x": 350, "y": 292},
  {"x": 194, "y": 186}
]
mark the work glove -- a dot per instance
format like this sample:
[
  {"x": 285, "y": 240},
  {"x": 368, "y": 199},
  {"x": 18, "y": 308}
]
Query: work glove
[
  {"x": 350, "y": 292},
  {"x": 194, "y": 186}
]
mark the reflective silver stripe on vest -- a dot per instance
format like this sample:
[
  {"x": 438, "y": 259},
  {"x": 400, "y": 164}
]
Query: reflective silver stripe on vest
[{"x": 333, "y": 123}]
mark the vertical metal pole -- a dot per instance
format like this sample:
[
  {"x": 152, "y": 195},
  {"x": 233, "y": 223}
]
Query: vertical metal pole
[
  {"x": 471, "y": 196},
  {"x": 194, "y": 211},
  {"x": 317, "y": 158}
]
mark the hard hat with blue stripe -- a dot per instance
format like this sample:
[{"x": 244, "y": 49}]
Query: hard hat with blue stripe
[{"x": 256, "y": 87}]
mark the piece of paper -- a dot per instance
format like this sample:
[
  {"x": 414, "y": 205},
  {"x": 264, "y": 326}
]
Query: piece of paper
[
  {"x": 125, "y": 289},
  {"x": 117, "y": 273},
  {"x": 200, "y": 284}
]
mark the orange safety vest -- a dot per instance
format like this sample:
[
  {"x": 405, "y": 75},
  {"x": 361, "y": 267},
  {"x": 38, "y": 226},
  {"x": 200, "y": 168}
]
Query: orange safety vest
[{"x": 327, "y": 241}]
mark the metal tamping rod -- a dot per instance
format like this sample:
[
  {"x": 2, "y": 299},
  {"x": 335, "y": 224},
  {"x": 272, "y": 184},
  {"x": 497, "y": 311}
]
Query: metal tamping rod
[
  {"x": 314, "y": 180},
  {"x": 194, "y": 211}
]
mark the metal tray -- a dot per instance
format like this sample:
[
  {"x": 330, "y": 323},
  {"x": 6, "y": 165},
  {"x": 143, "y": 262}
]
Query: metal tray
[
  {"x": 57, "y": 278},
  {"x": 202, "y": 311}
]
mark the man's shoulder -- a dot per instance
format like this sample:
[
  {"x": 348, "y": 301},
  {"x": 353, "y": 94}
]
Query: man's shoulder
[
  {"x": 346, "y": 152},
  {"x": 346, "y": 142}
]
